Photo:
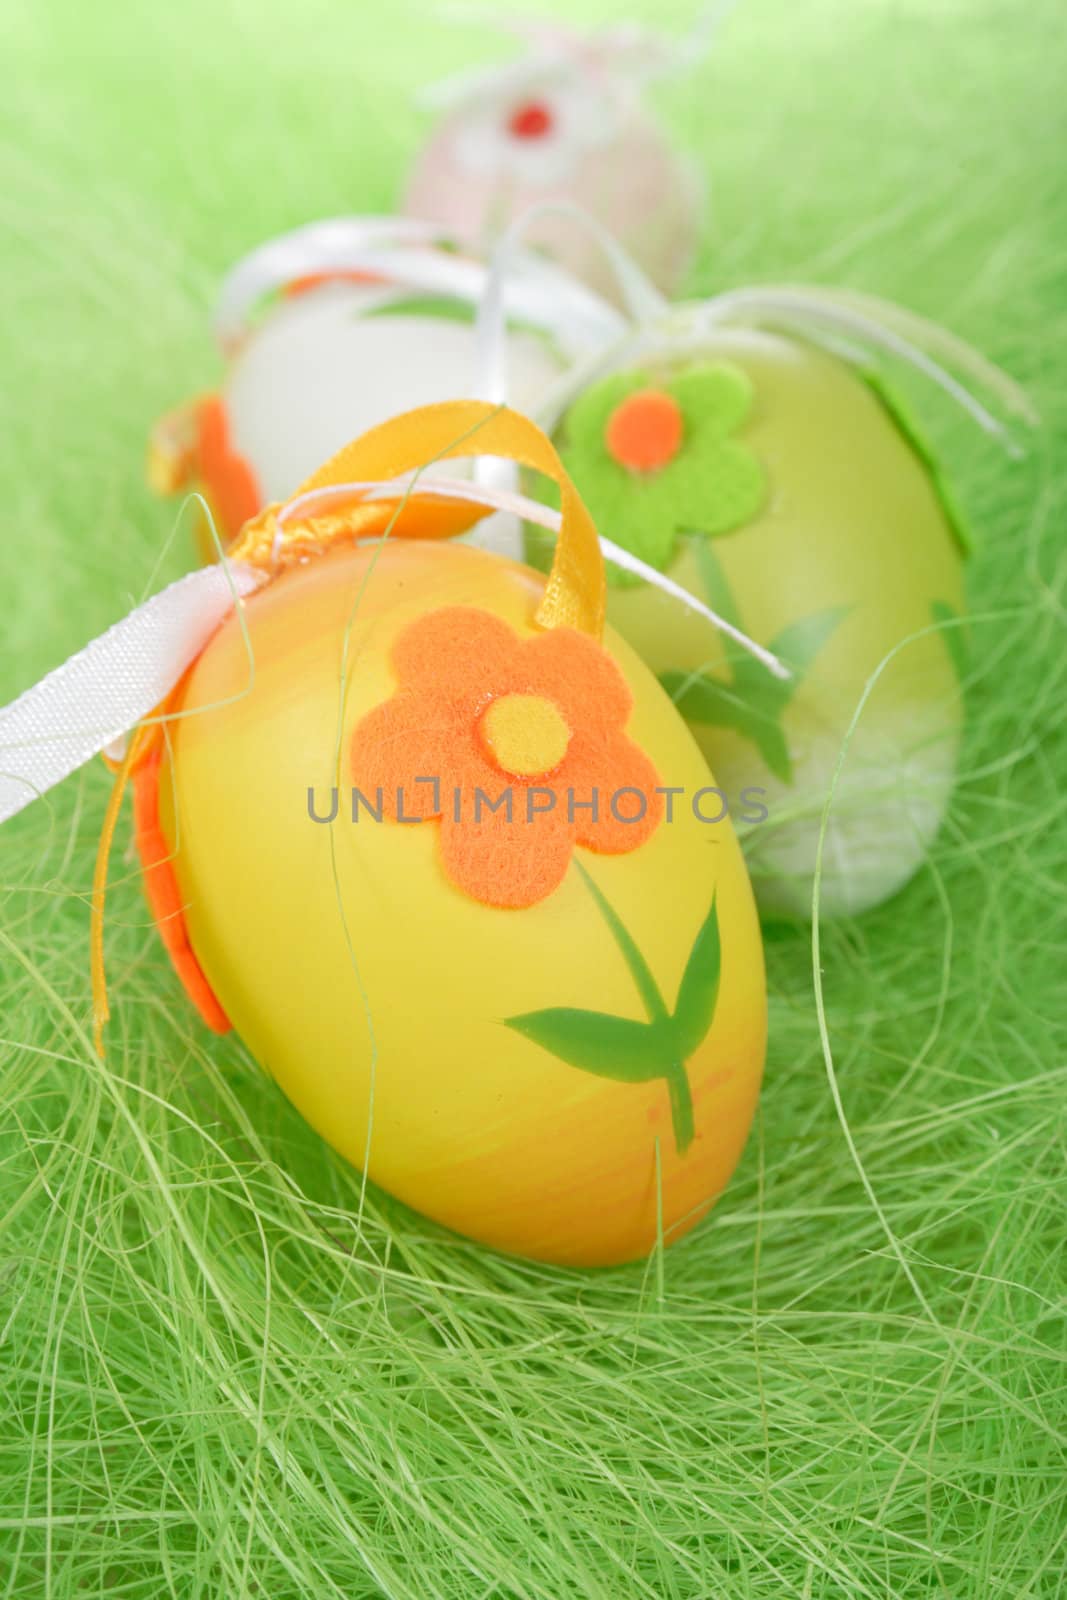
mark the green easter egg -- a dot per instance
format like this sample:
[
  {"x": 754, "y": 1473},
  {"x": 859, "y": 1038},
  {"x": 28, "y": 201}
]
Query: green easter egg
[{"x": 785, "y": 488}]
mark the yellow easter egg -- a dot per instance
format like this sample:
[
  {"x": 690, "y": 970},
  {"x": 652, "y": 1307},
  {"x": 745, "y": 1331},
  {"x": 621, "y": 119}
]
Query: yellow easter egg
[
  {"x": 786, "y": 490},
  {"x": 543, "y": 1028}
]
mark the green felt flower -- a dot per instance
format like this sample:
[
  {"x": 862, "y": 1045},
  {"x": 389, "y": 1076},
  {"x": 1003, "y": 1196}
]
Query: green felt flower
[{"x": 655, "y": 460}]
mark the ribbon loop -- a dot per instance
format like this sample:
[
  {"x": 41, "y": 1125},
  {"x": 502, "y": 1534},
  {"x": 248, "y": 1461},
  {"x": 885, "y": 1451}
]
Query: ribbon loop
[{"x": 575, "y": 593}]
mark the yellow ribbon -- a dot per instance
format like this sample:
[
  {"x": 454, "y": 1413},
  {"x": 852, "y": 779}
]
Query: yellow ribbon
[
  {"x": 575, "y": 592},
  {"x": 140, "y": 743}
]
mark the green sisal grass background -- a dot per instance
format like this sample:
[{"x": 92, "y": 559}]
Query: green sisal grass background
[{"x": 217, "y": 1379}]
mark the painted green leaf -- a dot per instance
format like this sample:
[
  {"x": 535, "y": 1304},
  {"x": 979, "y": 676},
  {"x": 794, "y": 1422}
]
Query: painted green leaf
[
  {"x": 755, "y": 715},
  {"x": 443, "y": 308},
  {"x": 635, "y": 961},
  {"x": 699, "y": 988},
  {"x": 612, "y": 1047},
  {"x": 706, "y": 699},
  {"x": 720, "y": 596},
  {"x": 624, "y": 1048},
  {"x": 751, "y": 700},
  {"x": 799, "y": 643}
]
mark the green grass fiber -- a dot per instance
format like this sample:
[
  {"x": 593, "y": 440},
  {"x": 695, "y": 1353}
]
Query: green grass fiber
[{"x": 219, "y": 1376}]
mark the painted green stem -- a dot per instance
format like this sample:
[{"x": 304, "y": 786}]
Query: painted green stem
[
  {"x": 640, "y": 970},
  {"x": 681, "y": 1105}
]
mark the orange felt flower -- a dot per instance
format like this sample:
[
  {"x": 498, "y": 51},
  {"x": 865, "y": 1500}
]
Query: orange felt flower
[{"x": 517, "y": 745}]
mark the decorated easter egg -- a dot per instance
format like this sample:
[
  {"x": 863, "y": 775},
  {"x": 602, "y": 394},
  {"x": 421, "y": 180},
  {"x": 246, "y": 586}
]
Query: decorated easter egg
[
  {"x": 456, "y": 871},
  {"x": 338, "y": 326},
  {"x": 565, "y": 125},
  {"x": 788, "y": 490}
]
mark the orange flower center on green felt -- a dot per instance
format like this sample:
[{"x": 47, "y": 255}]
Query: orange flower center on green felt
[
  {"x": 644, "y": 432},
  {"x": 525, "y": 735}
]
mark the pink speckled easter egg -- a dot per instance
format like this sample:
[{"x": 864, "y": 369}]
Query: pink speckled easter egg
[{"x": 559, "y": 140}]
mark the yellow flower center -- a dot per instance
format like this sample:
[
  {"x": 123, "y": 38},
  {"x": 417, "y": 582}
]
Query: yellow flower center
[{"x": 525, "y": 734}]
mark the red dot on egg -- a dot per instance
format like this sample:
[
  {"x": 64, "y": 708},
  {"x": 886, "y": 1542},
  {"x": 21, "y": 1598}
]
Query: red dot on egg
[{"x": 532, "y": 120}]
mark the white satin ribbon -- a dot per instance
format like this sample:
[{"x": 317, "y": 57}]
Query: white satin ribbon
[
  {"x": 407, "y": 254},
  {"x": 97, "y": 696}
]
